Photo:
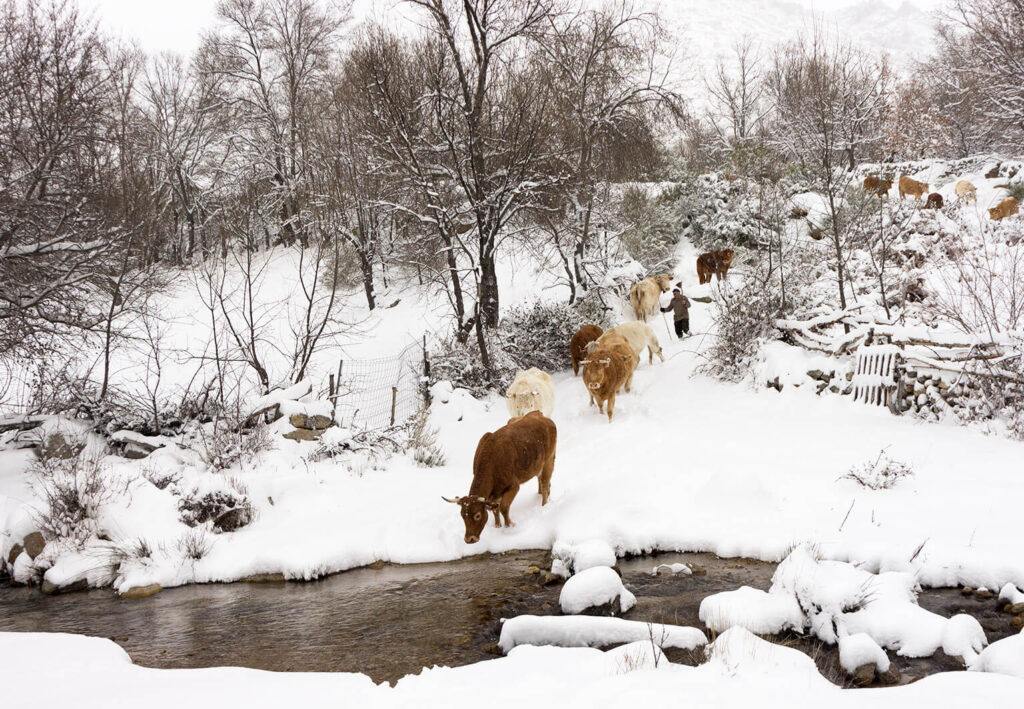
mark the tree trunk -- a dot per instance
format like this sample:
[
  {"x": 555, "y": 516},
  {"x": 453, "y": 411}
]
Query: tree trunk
[
  {"x": 487, "y": 293},
  {"x": 366, "y": 267}
]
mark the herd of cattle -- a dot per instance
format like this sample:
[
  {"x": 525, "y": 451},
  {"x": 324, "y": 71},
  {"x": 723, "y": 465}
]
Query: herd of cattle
[
  {"x": 965, "y": 192},
  {"x": 524, "y": 448}
]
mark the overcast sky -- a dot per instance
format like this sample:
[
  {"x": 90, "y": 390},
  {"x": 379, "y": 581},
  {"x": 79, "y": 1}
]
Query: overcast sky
[{"x": 176, "y": 25}]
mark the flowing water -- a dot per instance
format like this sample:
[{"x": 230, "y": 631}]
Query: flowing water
[{"x": 388, "y": 620}]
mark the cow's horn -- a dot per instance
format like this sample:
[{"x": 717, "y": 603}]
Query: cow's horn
[
  {"x": 457, "y": 500},
  {"x": 586, "y": 361}
]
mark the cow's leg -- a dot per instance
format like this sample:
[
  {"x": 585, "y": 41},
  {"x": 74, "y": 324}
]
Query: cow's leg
[
  {"x": 497, "y": 516},
  {"x": 629, "y": 381},
  {"x": 611, "y": 406},
  {"x": 544, "y": 479},
  {"x": 600, "y": 405},
  {"x": 506, "y": 504}
]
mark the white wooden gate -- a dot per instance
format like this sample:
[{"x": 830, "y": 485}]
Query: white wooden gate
[{"x": 874, "y": 377}]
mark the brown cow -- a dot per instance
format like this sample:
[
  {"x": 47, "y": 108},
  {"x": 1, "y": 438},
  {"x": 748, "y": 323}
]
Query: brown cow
[
  {"x": 578, "y": 344},
  {"x": 523, "y": 448},
  {"x": 934, "y": 201},
  {"x": 1004, "y": 209},
  {"x": 912, "y": 187},
  {"x": 607, "y": 369},
  {"x": 643, "y": 296},
  {"x": 713, "y": 262},
  {"x": 876, "y": 185}
]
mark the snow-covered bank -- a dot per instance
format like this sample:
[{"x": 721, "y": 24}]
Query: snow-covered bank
[
  {"x": 743, "y": 671},
  {"x": 689, "y": 464}
]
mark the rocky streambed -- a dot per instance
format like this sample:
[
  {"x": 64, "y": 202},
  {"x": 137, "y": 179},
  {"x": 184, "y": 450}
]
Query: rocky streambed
[{"x": 390, "y": 620}]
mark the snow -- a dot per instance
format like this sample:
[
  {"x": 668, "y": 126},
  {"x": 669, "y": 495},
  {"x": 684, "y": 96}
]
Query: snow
[
  {"x": 1004, "y": 656},
  {"x": 592, "y": 631},
  {"x": 742, "y": 671},
  {"x": 831, "y": 598},
  {"x": 595, "y": 586},
  {"x": 858, "y": 650}
]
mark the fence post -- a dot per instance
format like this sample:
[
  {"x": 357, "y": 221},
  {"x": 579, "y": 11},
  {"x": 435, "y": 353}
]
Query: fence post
[
  {"x": 394, "y": 400},
  {"x": 426, "y": 372},
  {"x": 335, "y": 392}
]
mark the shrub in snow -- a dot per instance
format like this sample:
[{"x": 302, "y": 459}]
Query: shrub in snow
[
  {"x": 225, "y": 510},
  {"x": 227, "y": 442},
  {"x": 195, "y": 544},
  {"x": 880, "y": 474},
  {"x": 460, "y": 363},
  {"x": 598, "y": 588},
  {"x": 538, "y": 335},
  {"x": 72, "y": 491},
  {"x": 422, "y": 441},
  {"x": 361, "y": 451},
  {"x": 636, "y": 656},
  {"x": 651, "y": 225}
]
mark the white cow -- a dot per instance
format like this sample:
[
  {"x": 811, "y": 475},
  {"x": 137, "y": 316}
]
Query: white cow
[
  {"x": 531, "y": 390},
  {"x": 639, "y": 335}
]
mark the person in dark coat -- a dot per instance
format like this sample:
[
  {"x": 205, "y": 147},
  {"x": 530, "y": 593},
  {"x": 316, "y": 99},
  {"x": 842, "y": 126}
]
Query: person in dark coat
[{"x": 680, "y": 307}]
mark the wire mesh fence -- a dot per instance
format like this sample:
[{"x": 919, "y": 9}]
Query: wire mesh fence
[{"x": 377, "y": 393}]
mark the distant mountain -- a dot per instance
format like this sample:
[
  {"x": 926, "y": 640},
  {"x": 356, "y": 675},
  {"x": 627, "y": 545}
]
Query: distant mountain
[{"x": 709, "y": 28}]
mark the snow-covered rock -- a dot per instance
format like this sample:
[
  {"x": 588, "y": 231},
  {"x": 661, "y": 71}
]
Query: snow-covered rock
[
  {"x": 595, "y": 587},
  {"x": 757, "y": 611},
  {"x": 671, "y": 569},
  {"x": 590, "y": 631},
  {"x": 584, "y": 555},
  {"x": 1004, "y": 656},
  {"x": 858, "y": 650}
]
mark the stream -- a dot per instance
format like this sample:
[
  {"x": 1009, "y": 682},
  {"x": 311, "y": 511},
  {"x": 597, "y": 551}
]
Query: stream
[{"x": 388, "y": 621}]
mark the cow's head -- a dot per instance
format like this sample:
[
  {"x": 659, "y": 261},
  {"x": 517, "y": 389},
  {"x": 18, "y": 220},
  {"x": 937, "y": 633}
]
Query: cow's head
[
  {"x": 664, "y": 281},
  {"x": 474, "y": 511},
  {"x": 597, "y": 368}
]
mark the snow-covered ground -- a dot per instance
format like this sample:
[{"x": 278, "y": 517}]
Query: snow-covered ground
[{"x": 743, "y": 671}]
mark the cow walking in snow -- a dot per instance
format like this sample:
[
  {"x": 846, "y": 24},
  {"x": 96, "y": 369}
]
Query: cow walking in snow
[{"x": 522, "y": 449}]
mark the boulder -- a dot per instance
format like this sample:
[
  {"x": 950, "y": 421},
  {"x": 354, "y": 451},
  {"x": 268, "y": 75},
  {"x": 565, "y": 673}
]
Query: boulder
[
  {"x": 142, "y": 591},
  {"x": 55, "y": 445},
  {"x": 14, "y": 553},
  {"x": 890, "y": 676},
  {"x": 233, "y": 519},
  {"x": 264, "y": 578},
  {"x": 863, "y": 675},
  {"x": 34, "y": 544},
  {"x": 303, "y": 434},
  {"x": 311, "y": 423},
  {"x": 51, "y": 589},
  {"x": 1015, "y": 609}
]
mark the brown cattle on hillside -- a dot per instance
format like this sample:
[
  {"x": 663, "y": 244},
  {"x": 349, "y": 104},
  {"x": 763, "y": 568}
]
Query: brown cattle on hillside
[
  {"x": 876, "y": 185},
  {"x": 607, "y": 369},
  {"x": 1004, "y": 209},
  {"x": 643, "y": 296},
  {"x": 934, "y": 201},
  {"x": 912, "y": 187},
  {"x": 966, "y": 191},
  {"x": 713, "y": 262},
  {"x": 523, "y": 448},
  {"x": 578, "y": 345}
]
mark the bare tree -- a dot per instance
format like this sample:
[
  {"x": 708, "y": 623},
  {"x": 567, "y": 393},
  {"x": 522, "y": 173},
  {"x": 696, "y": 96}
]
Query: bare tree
[
  {"x": 828, "y": 99},
  {"x": 981, "y": 43},
  {"x": 736, "y": 94},
  {"x": 271, "y": 58},
  {"x": 55, "y": 234},
  {"x": 607, "y": 71}
]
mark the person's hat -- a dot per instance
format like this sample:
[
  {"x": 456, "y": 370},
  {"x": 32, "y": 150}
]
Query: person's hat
[{"x": 676, "y": 290}]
